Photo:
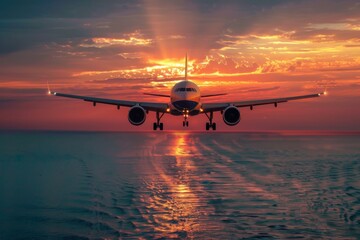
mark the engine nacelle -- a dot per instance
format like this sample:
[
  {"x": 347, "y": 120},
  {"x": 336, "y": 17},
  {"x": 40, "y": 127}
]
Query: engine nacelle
[
  {"x": 137, "y": 115},
  {"x": 231, "y": 115}
]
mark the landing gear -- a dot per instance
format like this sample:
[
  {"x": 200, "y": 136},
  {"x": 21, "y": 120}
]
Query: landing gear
[
  {"x": 210, "y": 124},
  {"x": 185, "y": 123},
  {"x": 158, "y": 124}
]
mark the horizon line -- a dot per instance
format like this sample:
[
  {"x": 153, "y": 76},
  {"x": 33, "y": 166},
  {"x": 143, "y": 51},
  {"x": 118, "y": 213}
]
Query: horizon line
[{"x": 282, "y": 132}]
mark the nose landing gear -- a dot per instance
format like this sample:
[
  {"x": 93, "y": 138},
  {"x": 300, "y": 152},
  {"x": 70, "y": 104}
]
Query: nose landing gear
[{"x": 186, "y": 115}]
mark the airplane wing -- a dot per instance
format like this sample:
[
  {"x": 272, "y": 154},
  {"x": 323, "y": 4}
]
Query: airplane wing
[
  {"x": 157, "y": 95},
  {"x": 213, "y": 95},
  {"x": 213, "y": 107},
  {"x": 150, "y": 106}
]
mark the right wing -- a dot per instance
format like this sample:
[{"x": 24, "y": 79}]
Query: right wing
[
  {"x": 149, "y": 106},
  {"x": 213, "y": 107},
  {"x": 213, "y": 95}
]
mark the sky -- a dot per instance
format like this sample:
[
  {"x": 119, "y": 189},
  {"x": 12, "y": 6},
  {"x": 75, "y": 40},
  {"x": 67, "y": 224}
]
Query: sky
[{"x": 121, "y": 49}]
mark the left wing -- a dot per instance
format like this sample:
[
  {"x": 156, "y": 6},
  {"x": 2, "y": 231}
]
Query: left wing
[
  {"x": 149, "y": 106},
  {"x": 157, "y": 95},
  {"x": 213, "y": 107}
]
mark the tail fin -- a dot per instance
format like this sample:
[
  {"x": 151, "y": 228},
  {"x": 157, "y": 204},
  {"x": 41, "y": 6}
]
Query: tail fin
[{"x": 186, "y": 68}]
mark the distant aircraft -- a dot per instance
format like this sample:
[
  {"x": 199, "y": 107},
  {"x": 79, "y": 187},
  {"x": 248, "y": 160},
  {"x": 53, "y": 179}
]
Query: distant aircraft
[{"x": 185, "y": 101}]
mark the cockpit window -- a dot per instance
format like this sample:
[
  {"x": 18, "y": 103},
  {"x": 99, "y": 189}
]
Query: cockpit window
[{"x": 185, "y": 89}]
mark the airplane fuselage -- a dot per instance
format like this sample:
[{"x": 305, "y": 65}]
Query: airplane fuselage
[{"x": 185, "y": 99}]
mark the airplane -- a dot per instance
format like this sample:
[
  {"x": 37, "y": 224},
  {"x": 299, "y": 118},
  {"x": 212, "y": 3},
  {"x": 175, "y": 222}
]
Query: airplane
[{"x": 185, "y": 100}]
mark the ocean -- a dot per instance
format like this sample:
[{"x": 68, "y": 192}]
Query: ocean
[{"x": 164, "y": 185}]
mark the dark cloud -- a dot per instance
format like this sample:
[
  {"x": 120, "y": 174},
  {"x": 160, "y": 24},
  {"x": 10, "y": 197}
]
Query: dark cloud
[
  {"x": 26, "y": 24},
  {"x": 17, "y": 9},
  {"x": 24, "y": 34}
]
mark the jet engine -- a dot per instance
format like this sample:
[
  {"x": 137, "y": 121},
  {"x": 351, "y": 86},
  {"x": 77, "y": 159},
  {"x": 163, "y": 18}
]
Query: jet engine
[
  {"x": 137, "y": 115},
  {"x": 231, "y": 116}
]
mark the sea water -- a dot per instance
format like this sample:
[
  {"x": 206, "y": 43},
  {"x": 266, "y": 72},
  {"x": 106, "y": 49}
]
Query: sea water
[{"x": 161, "y": 185}]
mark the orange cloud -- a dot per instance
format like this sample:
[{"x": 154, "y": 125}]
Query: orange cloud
[{"x": 131, "y": 39}]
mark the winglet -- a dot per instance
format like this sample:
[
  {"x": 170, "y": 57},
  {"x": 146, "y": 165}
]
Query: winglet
[
  {"x": 49, "y": 92},
  {"x": 186, "y": 67},
  {"x": 48, "y": 88},
  {"x": 323, "y": 93}
]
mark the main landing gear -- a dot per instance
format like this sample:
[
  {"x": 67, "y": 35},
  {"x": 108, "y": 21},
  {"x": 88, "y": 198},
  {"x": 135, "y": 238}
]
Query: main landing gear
[
  {"x": 158, "y": 124},
  {"x": 210, "y": 124}
]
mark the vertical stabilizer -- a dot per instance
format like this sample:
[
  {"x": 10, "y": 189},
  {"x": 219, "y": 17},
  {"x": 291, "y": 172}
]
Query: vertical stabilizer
[{"x": 186, "y": 68}]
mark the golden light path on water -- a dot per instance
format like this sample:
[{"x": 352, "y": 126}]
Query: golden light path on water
[{"x": 173, "y": 202}]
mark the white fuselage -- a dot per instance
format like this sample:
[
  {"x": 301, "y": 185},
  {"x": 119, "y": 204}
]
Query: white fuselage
[{"x": 185, "y": 98}]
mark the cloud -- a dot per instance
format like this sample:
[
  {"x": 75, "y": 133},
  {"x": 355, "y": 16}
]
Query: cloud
[{"x": 130, "y": 39}]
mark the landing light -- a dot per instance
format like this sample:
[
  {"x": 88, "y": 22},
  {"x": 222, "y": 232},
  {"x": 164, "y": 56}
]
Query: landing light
[{"x": 168, "y": 110}]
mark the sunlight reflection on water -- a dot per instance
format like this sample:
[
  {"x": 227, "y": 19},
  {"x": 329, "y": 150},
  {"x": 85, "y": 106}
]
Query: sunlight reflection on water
[{"x": 179, "y": 211}]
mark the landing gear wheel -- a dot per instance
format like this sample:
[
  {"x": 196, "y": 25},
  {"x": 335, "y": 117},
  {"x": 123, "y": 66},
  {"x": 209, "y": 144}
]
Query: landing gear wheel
[
  {"x": 209, "y": 126},
  {"x": 187, "y": 123},
  {"x": 154, "y": 126},
  {"x": 161, "y": 126},
  {"x": 183, "y": 123}
]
